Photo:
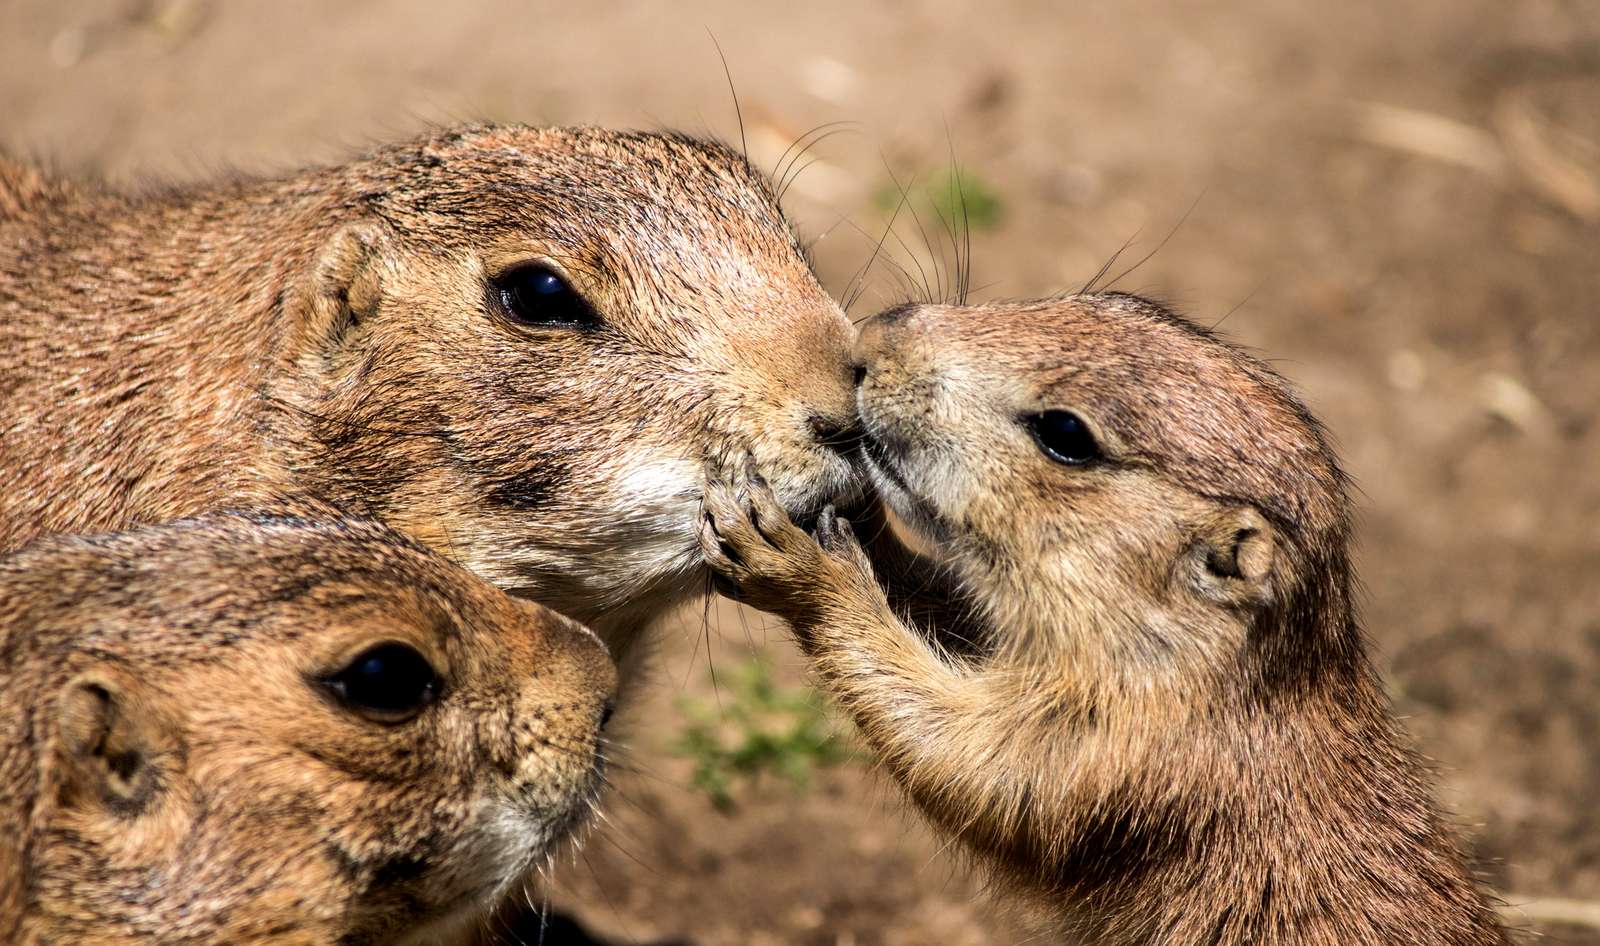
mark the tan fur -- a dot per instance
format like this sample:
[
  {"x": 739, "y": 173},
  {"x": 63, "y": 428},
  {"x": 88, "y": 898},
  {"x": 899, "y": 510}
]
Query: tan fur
[
  {"x": 330, "y": 333},
  {"x": 268, "y": 812},
  {"x": 1140, "y": 697}
]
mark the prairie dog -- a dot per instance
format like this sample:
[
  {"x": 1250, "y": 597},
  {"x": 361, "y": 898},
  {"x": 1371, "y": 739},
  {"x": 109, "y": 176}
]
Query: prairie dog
[
  {"x": 520, "y": 345},
  {"x": 260, "y": 730},
  {"x": 1140, "y": 696}
]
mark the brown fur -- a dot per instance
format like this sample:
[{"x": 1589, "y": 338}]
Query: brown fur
[
  {"x": 1168, "y": 730},
  {"x": 330, "y": 334},
  {"x": 171, "y": 771}
]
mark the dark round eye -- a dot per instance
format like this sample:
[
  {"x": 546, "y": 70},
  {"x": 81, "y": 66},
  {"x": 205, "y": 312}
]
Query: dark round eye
[
  {"x": 386, "y": 683},
  {"x": 1064, "y": 437},
  {"x": 538, "y": 295}
]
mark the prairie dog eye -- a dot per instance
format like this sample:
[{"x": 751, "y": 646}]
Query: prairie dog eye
[
  {"x": 535, "y": 294},
  {"x": 1064, "y": 437},
  {"x": 386, "y": 683}
]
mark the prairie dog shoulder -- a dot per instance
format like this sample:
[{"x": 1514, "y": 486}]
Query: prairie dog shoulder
[
  {"x": 1169, "y": 730},
  {"x": 266, "y": 730}
]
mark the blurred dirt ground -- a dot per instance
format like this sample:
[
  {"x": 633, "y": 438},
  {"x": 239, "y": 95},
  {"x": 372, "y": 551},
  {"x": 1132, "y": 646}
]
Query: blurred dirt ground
[{"x": 1398, "y": 203}]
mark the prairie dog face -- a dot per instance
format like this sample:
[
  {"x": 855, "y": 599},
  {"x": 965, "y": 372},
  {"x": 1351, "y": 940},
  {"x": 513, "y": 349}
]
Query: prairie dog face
[
  {"x": 264, "y": 731},
  {"x": 537, "y": 340},
  {"x": 1095, "y": 462}
]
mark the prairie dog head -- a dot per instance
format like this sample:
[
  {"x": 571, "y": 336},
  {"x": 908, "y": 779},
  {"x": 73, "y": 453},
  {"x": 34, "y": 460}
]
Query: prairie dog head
[
  {"x": 525, "y": 345},
  {"x": 257, "y": 730},
  {"x": 1110, "y": 482}
]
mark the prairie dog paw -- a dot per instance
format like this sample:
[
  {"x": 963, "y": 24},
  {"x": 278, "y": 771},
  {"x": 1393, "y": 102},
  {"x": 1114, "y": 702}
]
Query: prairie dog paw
[
  {"x": 760, "y": 557},
  {"x": 838, "y": 539}
]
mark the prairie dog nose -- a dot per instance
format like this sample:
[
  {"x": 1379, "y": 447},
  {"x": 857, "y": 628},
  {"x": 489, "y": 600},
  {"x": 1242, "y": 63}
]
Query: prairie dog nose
[
  {"x": 876, "y": 335},
  {"x": 591, "y": 665},
  {"x": 833, "y": 414},
  {"x": 562, "y": 659},
  {"x": 802, "y": 374}
]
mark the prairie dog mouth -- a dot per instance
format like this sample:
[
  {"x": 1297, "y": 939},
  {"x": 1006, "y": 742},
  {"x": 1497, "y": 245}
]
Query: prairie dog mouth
[
  {"x": 882, "y": 466},
  {"x": 915, "y": 510}
]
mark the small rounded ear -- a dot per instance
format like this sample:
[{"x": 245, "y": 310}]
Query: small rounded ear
[
  {"x": 344, "y": 287},
  {"x": 1231, "y": 558},
  {"x": 113, "y": 748}
]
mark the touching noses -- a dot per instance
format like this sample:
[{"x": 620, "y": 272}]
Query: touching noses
[
  {"x": 830, "y": 396},
  {"x": 873, "y": 338}
]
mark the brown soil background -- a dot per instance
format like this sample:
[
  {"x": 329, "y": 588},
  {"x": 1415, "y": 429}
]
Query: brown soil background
[{"x": 1398, "y": 203}]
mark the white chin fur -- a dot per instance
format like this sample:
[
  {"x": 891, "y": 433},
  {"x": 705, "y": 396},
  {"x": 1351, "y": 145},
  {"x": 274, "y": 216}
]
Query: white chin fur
[
  {"x": 907, "y": 507},
  {"x": 655, "y": 510},
  {"x": 509, "y": 846},
  {"x": 641, "y": 539}
]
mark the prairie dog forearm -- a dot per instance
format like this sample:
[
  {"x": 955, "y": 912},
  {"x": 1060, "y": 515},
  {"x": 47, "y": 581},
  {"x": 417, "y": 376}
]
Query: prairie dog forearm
[{"x": 958, "y": 739}]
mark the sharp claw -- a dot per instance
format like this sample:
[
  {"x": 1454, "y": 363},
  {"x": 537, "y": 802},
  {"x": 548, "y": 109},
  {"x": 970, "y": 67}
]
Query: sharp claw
[
  {"x": 827, "y": 526},
  {"x": 827, "y": 520}
]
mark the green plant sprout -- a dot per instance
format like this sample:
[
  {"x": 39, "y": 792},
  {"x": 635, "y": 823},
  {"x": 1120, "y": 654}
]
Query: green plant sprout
[{"x": 759, "y": 729}]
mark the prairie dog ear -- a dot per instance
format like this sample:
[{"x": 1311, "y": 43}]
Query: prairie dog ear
[
  {"x": 1231, "y": 558},
  {"x": 344, "y": 288},
  {"x": 113, "y": 750}
]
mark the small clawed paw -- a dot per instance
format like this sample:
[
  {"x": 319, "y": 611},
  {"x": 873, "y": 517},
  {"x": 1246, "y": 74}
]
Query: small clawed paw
[
  {"x": 755, "y": 551},
  {"x": 838, "y": 539},
  {"x": 833, "y": 532}
]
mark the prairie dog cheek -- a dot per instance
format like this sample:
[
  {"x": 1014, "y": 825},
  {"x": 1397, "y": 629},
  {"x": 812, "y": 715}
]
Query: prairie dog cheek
[
  {"x": 655, "y": 503},
  {"x": 656, "y": 485}
]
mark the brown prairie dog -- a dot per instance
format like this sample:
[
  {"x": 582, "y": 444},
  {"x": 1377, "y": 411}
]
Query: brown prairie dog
[
  {"x": 258, "y": 730},
  {"x": 519, "y": 345},
  {"x": 1139, "y": 695}
]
